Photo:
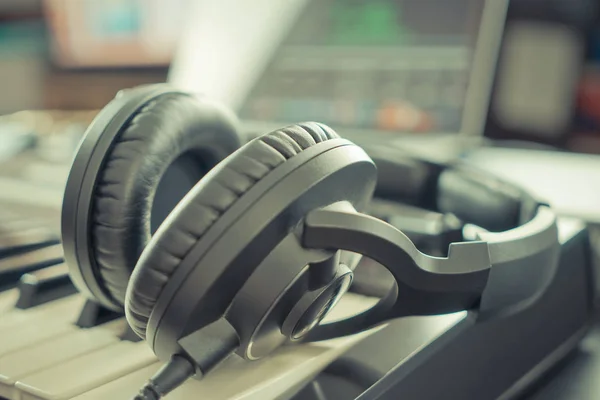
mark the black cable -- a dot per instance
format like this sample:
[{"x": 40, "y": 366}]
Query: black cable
[
  {"x": 147, "y": 393},
  {"x": 168, "y": 378}
]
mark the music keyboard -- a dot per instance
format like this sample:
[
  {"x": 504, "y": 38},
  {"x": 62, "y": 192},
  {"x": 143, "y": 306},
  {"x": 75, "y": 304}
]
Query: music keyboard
[
  {"x": 66, "y": 362},
  {"x": 118, "y": 369},
  {"x": 44, "y": 355},
  {"x": 75, "y": 363}
]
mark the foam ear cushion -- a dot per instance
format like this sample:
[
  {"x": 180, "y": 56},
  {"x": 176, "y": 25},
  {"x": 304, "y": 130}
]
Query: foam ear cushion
[
  {"x": 204, "y": 205},
  {"x": 480, "y": 199},
  {"x": 170, "y": 125}
]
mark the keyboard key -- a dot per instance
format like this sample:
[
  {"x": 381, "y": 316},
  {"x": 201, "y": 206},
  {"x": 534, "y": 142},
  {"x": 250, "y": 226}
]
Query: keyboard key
[
  {"x": 126, "y": 386},
  {"x": 10, "y": 220},
  {"x": 7, "y": 217},
  {"x": 82, "y": 374},
  {"x": 54, "y": 351},
  {"x": 65, "y": 310},
  {"x": 24, "y": 335},
  {"x": 8, "y": 299}
]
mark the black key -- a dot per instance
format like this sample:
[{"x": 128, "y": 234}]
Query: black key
[
  {"x": 44, "y": 285},
  {"x": 93, "y": 314},
  {"x": 15, "y": 266}
]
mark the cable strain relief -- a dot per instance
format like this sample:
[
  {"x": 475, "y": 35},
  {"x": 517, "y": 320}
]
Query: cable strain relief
[{"x": 210, "y": 345}]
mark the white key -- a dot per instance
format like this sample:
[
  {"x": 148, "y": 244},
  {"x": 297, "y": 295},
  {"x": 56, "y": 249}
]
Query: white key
[
  {"x": 125, "y": 387},
  {"x": 64, "y": 310},
  {"x": 28, "y": 334},
  {"x": 53, "y": 351},
  {"x": 8, "y": 299},
  {"x": 84, "y": 373}
]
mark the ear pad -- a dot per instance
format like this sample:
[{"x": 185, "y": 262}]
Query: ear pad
[
  {"x": 204, "y": 205},
  {"x": 165, "y": 129},
  {"x": 477, "y": 198}
]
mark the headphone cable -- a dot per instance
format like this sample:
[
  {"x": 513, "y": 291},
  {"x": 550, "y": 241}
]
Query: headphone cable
[
  {"x": 202, "y": 351},
  {"x": 168, "y": 378}
]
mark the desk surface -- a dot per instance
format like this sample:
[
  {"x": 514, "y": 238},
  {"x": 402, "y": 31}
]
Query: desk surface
[{"x": 565, "y": 180}]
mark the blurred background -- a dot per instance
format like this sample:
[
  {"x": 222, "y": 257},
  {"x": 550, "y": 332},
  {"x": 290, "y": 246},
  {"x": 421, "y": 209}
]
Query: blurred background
[
  {"x": 523, "y": 75},
  {"x": 387, "y": 65}
]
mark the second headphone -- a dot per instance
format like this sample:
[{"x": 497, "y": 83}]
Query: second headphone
[{"x": 252, "y": 256}]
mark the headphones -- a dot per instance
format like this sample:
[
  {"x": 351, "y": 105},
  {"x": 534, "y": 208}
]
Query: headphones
[{"x": 252, "y": 254}]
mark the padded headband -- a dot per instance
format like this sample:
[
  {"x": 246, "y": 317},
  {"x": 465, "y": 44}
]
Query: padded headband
[
  {"x": 475, "y": 197},
  {"x": 481, "y": 199}
]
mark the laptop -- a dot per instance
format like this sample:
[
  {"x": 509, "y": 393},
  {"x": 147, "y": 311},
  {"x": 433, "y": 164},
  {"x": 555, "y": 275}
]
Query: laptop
[{"x": 382, "y": 73}]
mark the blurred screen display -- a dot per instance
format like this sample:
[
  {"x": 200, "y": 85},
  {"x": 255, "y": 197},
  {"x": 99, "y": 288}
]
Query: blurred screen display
[
  {"x": 585, "y": 136},
  {"x": 398, "y": 65},
  {"x": 114, "y": 33}
]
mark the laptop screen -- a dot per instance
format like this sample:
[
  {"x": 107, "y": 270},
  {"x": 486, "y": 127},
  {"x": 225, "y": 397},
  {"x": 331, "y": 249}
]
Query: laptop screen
[{"x": 397, "y": 65}]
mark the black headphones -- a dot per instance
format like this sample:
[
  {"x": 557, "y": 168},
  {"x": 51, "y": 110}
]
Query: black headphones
[{"x": 249, "y": 259}]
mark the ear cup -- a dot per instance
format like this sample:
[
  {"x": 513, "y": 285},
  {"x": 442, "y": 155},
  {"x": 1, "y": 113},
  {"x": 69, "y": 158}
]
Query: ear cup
[
  {"x": 160, "y": 133},
  {"x": 172, "y": 131},
  {"x": 204, "y": 205}
]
